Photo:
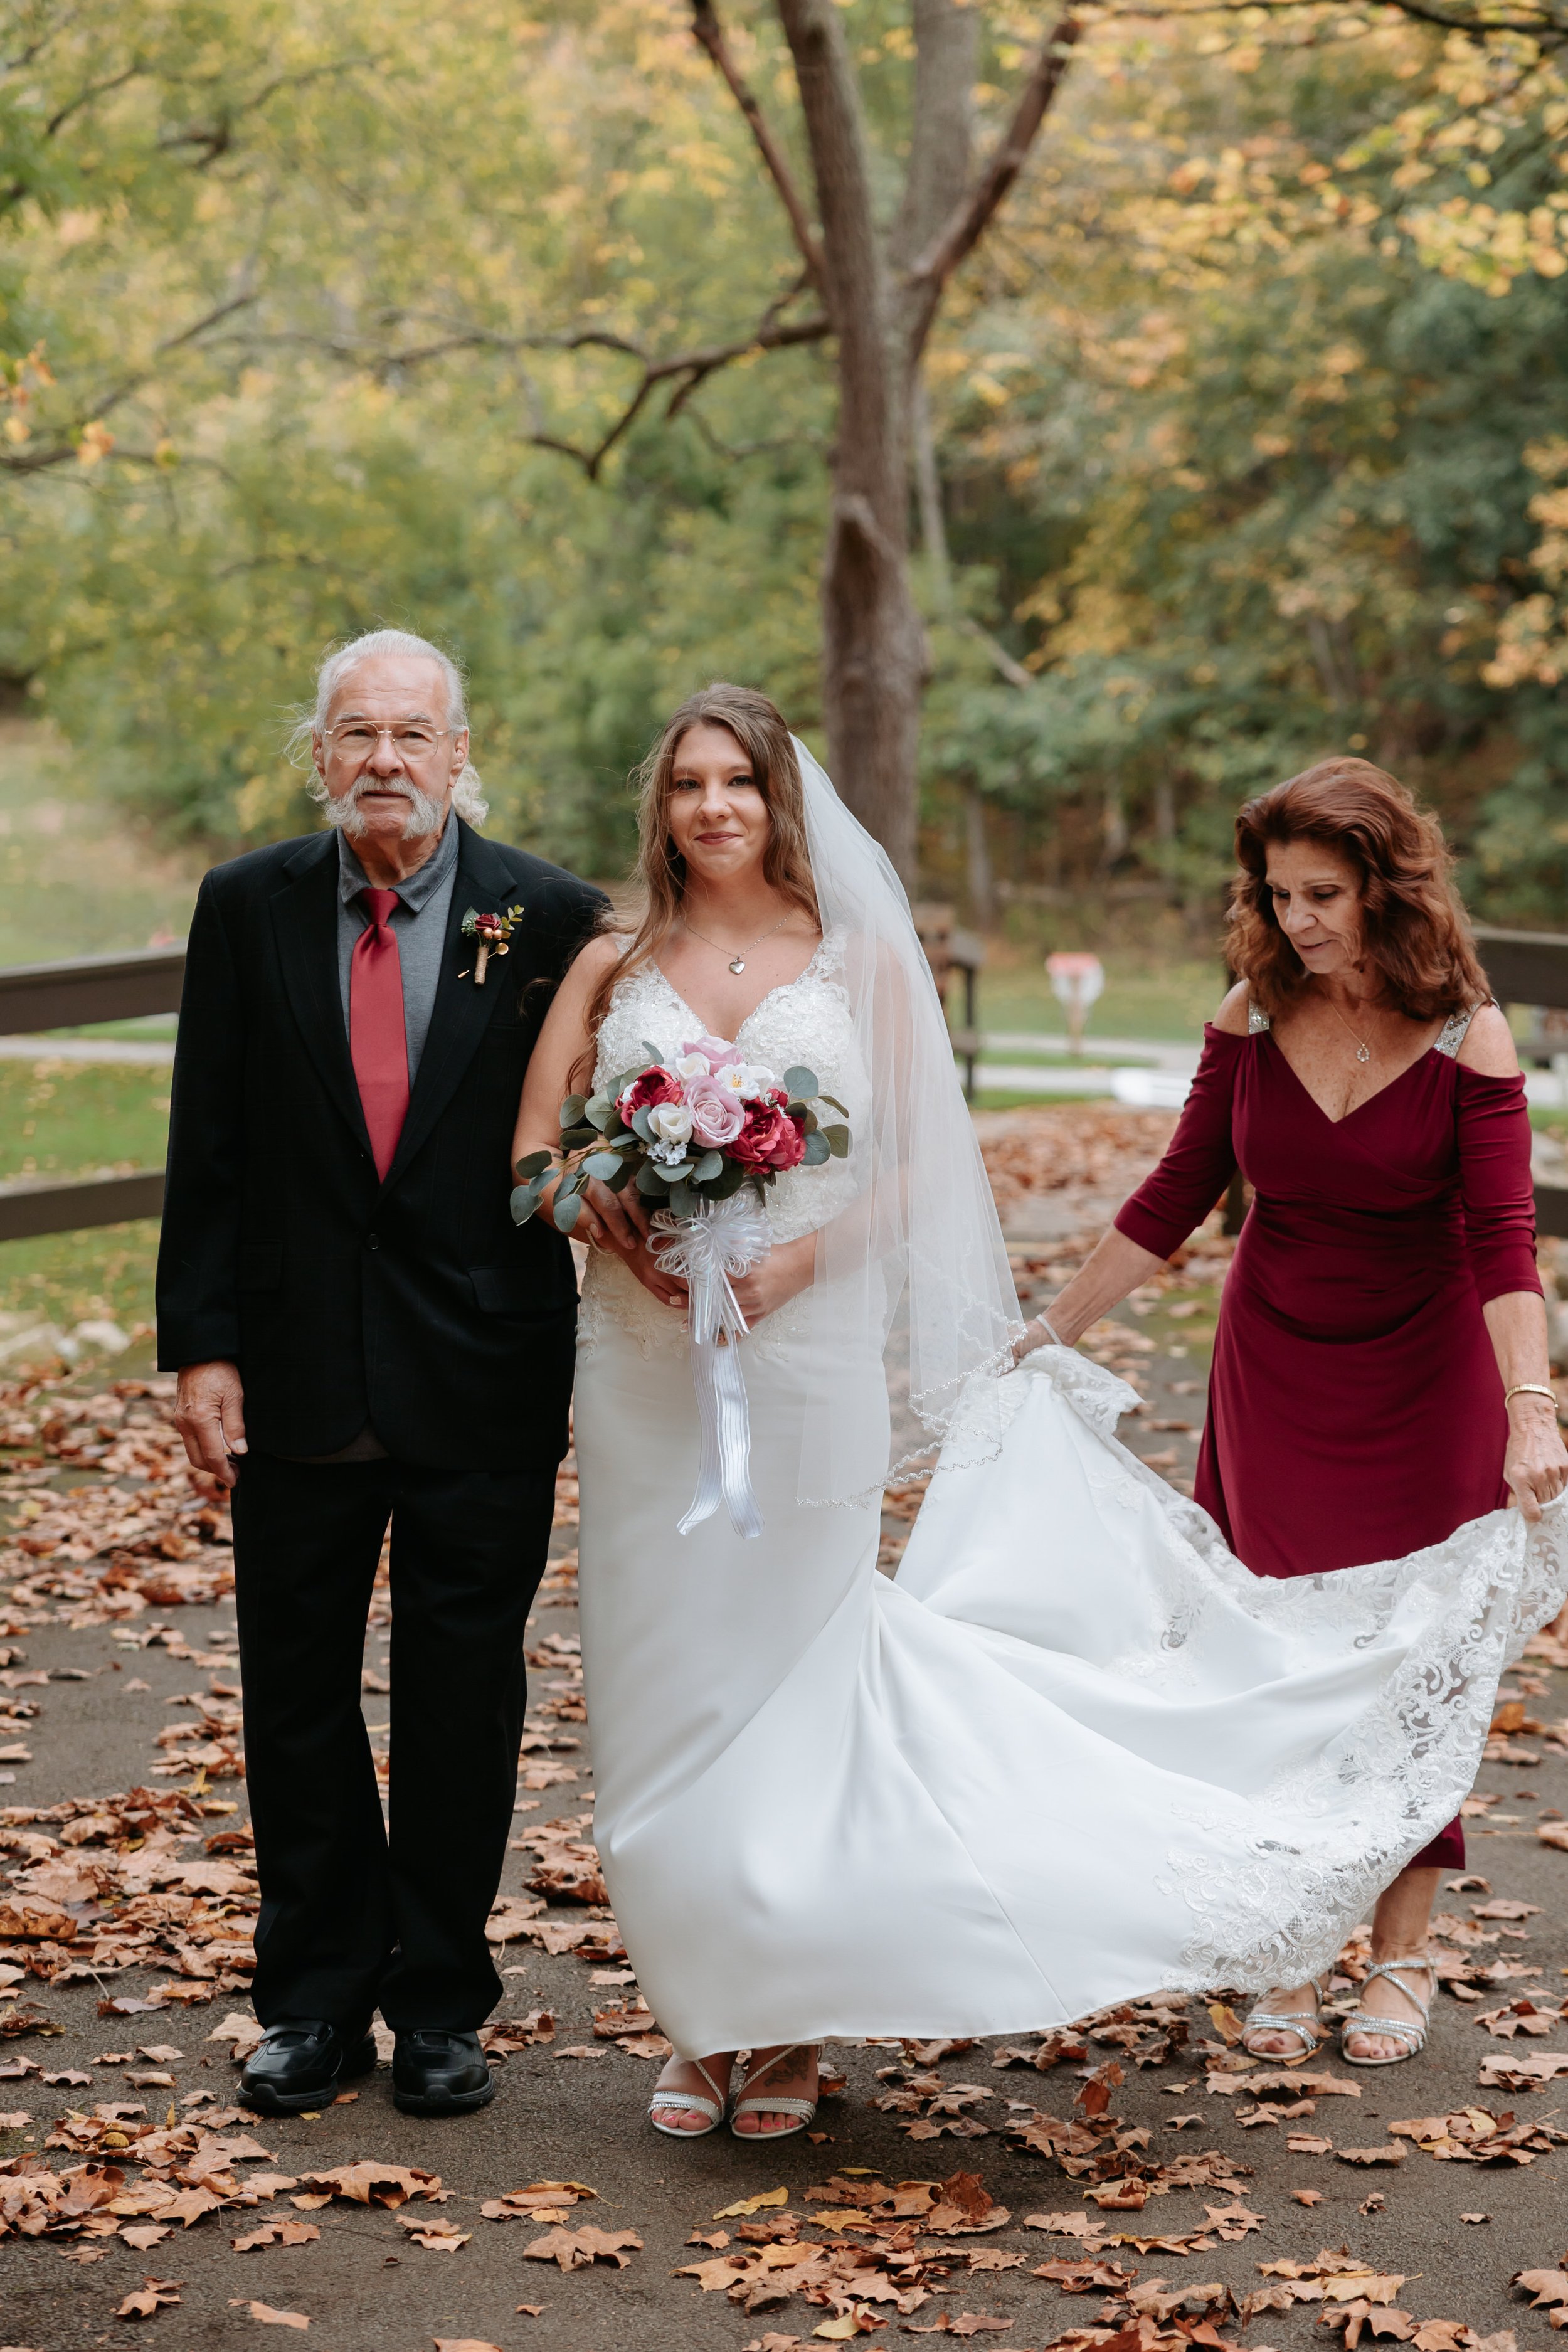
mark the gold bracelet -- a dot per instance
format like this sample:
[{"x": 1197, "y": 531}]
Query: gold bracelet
[{"x": 1528, "y": 1388}]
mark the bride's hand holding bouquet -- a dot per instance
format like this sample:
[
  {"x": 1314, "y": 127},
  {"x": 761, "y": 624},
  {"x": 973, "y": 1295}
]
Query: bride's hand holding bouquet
[{"x": 663, "y": 1144}]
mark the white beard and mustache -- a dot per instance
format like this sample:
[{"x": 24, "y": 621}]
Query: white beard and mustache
[{"x": 425, "y": 814}]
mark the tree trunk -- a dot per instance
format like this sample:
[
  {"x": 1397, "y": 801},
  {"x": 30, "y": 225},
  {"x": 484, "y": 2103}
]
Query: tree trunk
[
  {"x": 874, "y": 655},
  {"x": 982, "y": 876},
  {"x": 880, "y": 290},
  {"x": 874, "y": 668}
]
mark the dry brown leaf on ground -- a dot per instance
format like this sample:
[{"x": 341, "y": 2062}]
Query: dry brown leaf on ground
[
  {"x": 1361, "y": 2317},
  {"x": 436, "y": 2237},
  {"x": 287, "y": 2232},
  {"x": 1528, "y": 2070},
  {"x": 464, "y": 2343},
  {"x": 1520, "y": 2016},
  {"x": 1554, "y": 1834},
  {"x": 1371, "y": 2286},
  {"x": 505, "y": 2035},
  {"x": 149, "y": 2298},
  {"x": 576, "y": 2250},
  {"x": 375, "y": 2184},
  {"x": 1251, "y": 2085},
  {"x": 1086, "y": 2278},
  {"x": 265, "y": 2312},
  {"x": 1372, "y": 2154},
  {"x": 1475, "y": 2136},
  {"x": 1544, "y": 2288},
  {"x": 540, "y": 2200},
  {"x": 747, "y": 2205}
]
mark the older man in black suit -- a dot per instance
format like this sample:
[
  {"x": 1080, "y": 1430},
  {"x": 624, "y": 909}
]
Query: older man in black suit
[{"x": 363, "y": 1337}]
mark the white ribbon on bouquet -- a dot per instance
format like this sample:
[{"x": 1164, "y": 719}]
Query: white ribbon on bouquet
[{"x": 724, "y": 1238}]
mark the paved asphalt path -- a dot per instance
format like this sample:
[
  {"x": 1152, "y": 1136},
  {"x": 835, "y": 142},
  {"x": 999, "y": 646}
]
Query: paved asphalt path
[{"x": 560, "y": 2117}]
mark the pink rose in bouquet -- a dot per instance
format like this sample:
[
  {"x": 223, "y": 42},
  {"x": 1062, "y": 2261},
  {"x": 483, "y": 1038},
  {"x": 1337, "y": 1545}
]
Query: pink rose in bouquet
[
  {"x": 717, "y": 1114},
  {"x": 655, "y": 1085},
  {"x": 770, "y": 1137},
  {"x": 716, "y": 1052}
]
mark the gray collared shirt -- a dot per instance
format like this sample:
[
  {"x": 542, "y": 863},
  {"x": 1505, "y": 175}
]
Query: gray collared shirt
[{"x": 419, "y": 925}]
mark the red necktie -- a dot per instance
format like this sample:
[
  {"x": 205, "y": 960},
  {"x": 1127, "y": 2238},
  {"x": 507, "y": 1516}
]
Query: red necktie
[{"x": 377, "y": 1039}]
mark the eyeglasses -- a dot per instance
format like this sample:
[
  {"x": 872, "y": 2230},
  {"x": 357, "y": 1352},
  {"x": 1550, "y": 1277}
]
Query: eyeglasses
[{"x": 411, "y": 738}]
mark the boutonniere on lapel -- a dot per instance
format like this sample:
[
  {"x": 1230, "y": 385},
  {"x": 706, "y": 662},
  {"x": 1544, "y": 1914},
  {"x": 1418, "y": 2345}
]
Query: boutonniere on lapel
[{"x": 490, "y": 933}]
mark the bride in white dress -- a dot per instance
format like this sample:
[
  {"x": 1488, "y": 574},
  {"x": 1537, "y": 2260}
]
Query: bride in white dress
[{"x": 1074, "y": 1752}]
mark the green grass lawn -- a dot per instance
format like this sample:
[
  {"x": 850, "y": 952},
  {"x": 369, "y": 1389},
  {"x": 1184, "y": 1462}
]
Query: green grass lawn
[
  {"x": 70, "y": 1278},
  {"x": 65, "y": 1118},
  {"x": 1165, "y": 1002}
]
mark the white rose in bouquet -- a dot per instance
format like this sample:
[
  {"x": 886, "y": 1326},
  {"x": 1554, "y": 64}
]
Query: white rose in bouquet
[{"x": 671, "y": 1125}]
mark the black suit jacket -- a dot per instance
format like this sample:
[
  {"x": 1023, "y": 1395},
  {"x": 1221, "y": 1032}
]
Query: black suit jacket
[{"x": 415, "y": 1304}]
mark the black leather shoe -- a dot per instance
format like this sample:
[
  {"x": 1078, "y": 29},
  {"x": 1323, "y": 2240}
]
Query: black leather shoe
[
  {"x": 439, "y": 2074},
  {"x": 300, "y": 2064}
]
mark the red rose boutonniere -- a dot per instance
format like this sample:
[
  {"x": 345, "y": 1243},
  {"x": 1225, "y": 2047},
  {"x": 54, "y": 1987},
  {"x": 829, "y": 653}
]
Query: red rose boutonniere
[{"x": 490, "y": 933}]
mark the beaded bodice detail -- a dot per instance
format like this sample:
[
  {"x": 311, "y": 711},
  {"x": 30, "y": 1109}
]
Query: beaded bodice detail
[{"x": 807, "y": 1021}]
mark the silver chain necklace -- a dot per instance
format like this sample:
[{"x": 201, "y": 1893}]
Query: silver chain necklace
[
  {"x": 1362, "y": 1050},
  {"x": 737, "y": 955}
]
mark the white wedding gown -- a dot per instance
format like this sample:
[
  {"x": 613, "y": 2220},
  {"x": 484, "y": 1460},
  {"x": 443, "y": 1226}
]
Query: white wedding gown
[{"x": 1072, "y": 1753}]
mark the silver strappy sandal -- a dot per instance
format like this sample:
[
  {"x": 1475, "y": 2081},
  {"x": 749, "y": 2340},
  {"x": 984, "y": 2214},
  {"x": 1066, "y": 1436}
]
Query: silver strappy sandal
[
  {"x": 1402, "y": 2030},
  {"x": 1307, "y": 2030},
  {"x": 773, "y": 2103},
  {"x": 689, "y": 2102}
]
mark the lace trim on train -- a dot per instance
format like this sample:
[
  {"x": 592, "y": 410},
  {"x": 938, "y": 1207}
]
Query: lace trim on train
[{"x": 1282, "y": 1913}]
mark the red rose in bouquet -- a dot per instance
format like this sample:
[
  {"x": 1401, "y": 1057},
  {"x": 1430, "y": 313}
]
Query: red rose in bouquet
[
  {"x": 770, "y": 1137},
  {"x": 655, "y": 1085}
]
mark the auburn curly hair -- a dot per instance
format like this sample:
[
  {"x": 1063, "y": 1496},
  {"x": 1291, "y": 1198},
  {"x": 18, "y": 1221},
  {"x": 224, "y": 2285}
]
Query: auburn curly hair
[{"x": 1415, "y": 927}]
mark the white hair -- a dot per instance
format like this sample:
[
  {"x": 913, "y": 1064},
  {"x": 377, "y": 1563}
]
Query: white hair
[{"x": 468, "y": 793}]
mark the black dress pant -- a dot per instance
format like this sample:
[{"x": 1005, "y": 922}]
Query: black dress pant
[{"x": 355, "y": 1915}]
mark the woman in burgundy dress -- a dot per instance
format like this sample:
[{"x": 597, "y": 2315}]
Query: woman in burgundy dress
[{"x": 1380, "y": 1370}]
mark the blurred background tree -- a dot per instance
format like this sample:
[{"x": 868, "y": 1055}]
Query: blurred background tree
[{"x": 1243, "y": 434}]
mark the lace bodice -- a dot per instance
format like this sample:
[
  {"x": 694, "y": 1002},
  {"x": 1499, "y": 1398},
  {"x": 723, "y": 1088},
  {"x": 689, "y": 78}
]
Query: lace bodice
[{"x": 807, "y": 1020}]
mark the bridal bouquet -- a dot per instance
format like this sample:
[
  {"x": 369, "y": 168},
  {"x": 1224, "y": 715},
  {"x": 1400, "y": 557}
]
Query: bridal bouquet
[
  {"x": 702, "y": 1136},
  {"x": 686, "y": 1133}
]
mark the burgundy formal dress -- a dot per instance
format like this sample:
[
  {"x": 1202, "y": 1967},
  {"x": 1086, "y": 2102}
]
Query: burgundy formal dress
[{"x": 1355, "y": 1409}]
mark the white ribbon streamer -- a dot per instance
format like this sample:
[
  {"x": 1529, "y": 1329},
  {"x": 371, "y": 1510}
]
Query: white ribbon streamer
[{"x": 724, "y": 1238}]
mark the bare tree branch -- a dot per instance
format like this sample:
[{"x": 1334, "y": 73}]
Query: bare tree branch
[
  {"x": 967, "y": 224},
  {"x": 709, "y": 32},
  {"x": 216, "y": 137},
  {"x": 57, "y": 121},
  {"x": 1547, "y": 23}
]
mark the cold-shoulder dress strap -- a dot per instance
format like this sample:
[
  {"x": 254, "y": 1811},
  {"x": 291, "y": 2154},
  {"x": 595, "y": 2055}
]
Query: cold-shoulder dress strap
[
  {"x": 1256, "y": 1021},
  {"x": 1455, "y": 1030}
]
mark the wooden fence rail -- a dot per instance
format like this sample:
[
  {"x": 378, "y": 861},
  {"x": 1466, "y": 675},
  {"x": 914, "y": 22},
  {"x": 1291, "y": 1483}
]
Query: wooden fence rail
[
  {"x": 1523, "y": 967},
  {"x": 41, "y": 996}
]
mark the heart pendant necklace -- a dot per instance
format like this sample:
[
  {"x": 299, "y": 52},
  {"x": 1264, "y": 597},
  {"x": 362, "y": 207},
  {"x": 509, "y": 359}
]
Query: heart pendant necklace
[{"x": 737, "y": 956}]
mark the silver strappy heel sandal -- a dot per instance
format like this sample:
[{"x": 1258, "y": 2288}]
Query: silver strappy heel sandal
[
  {"x": 1307, "y": 2030},
  {"x": 1402, "y": 2030},
  {"x": 773, "y": 2103},
  {"x": 689, "y": 2102}
]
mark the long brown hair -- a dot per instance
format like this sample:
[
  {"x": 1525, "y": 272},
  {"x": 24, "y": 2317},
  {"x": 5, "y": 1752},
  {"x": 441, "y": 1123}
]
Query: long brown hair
[
  {"x": 1414, "y": 929},
  {"x": 761, "y": 732}
]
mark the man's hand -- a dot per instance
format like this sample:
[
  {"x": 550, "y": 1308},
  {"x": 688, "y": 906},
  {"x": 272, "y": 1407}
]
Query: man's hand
[{"x": 209, "y": 1413}]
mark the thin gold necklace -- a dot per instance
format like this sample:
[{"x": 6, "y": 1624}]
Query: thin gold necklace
[
  {"x": 737, "y": 955},
  {"x": 1362, "y": 1050}
]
